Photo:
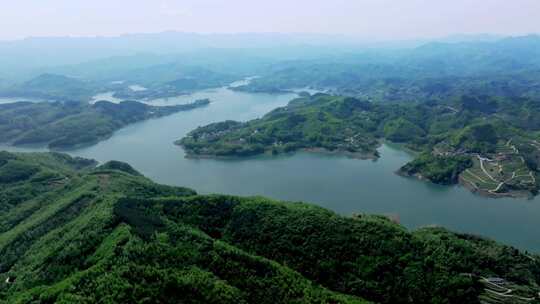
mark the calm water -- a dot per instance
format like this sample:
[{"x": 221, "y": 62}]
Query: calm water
[
  {"x": 4, "y": 100},
  {"x": 137, "y": 88},
  {"x": 338, "y": 183}
]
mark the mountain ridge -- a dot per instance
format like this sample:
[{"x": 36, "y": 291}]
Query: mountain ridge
[{"x": 88, "y": 233}]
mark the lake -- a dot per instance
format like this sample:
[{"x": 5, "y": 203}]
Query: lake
[
  {"x": 339, "y": 183},
  {"x": 4, "y": 100}
]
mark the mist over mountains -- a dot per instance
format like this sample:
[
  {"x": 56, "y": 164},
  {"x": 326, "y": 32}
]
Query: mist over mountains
[{"x": 21, "y": 58}]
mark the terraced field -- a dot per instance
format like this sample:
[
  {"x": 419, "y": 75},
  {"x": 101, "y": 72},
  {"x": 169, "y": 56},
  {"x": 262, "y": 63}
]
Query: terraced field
[
  {"x": 503, "y": 173},
  {"x": 506, "y": 292}
]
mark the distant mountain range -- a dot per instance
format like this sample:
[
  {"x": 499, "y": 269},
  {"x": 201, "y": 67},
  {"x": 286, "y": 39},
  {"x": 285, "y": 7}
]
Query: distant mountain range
[
  {"x": 23, "y": 56},
  {"x": 351, "y": 68}
]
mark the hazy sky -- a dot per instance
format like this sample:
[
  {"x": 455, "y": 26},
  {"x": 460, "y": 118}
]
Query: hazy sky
[{"x": 384, "y": 19}]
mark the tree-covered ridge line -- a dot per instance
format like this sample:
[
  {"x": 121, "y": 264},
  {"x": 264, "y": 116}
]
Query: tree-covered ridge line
[
  {"x": 504, "y": 67},
  {"x": 65, "y": 125},
  {"x": 303, "y": 124},
  {"x": 74, "y": 232},
  {"x": 507, "y": 67},
  {"x": 491, "y": 144},
  {"x": 364, "y": 82},
  {"x": 151, "y": 82}
]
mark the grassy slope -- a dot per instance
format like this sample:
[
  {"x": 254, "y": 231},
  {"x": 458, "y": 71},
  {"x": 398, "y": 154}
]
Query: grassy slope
[{"x": 108, "y": 234}]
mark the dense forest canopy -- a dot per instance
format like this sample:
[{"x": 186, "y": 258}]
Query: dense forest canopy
[
  {"x": 65, "y": 125},
  {"x": 71, "y": 231}
]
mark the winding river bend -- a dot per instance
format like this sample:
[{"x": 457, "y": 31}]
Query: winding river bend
[{"x": 342, "y": 184}]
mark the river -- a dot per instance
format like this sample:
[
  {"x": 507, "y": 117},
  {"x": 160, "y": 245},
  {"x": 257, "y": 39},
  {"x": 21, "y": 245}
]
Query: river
[{"x": 342, "y": 184}]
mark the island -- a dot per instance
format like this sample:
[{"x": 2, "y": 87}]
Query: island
[
  {"x": 68, "y": 125},
  {"x": 489, "y": 144},
  {"x": 72, "y": 230},
  {"x": 152, "y": 82}
]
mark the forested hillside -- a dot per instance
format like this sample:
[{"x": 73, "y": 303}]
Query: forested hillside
[
  {"x": 64, "y": 125},
  {"x": 508, "y": 67},
  {"x": 492, "y": 140},
  {"x": 73, "y": 232},
  {"x": 150, "y": 82}
]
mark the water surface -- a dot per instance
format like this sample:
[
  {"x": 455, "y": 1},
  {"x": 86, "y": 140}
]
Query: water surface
[
  {"x": 4, "y": 100},
  {"x": 137, "y": 88},
  {"x": 339, "y": 183}
]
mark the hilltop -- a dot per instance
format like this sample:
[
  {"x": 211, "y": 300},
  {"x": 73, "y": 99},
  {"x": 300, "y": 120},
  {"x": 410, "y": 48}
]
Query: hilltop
[{"x": 73, "y": 231}]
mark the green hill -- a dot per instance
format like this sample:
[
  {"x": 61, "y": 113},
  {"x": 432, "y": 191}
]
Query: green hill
[
  {"x": 54, "y": 87},
  {"x": 500, "y": 134},
  {"x": 71, "y": 124},
  {"x": 71, "y": 232},
  {"x": 507, "y": 67}
]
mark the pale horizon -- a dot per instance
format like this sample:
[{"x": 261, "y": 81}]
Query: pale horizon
[
  {"x": 382, "y": 20},
  {"x": 347, "y": 36}
]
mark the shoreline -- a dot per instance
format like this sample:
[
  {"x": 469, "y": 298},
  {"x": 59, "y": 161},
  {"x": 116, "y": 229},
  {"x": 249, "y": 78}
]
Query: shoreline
[
  {"x": 354, "y": 155},
  {"x": 521, "y": 194},
  {"x": 471, "y": 188},
  {"x": 368, "y": 156}
]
